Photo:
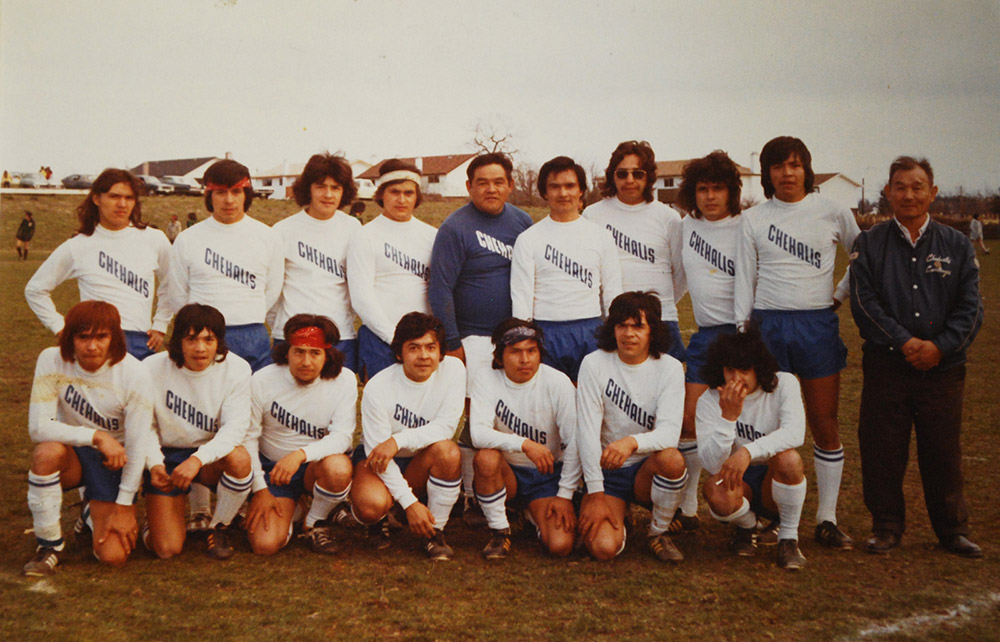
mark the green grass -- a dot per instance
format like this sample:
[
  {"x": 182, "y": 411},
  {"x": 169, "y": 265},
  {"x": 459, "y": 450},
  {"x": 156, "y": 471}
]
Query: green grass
[{"x": 364, "y": 595}]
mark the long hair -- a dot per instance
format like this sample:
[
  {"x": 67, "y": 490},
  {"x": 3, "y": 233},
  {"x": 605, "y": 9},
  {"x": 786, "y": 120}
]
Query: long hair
[
  {"x": 717, "y": 167},
  {"x": 776, "y": 151},
  {"x": 635, "y": 305},
  {"x": 412, "y": 326},
  {"x": 319, "y": 168},
  {"x": 647, "y": 160},
  {"x": 740, "y": 351},
  {"x": 510, "y": 324},
  {"x": 89, "y": 214},
  {"x": 92, "y": 315},
  {"x": 192, "y": 319},
  {"x": 334, "y": 358},
  {"x": 227, "y": 172}
]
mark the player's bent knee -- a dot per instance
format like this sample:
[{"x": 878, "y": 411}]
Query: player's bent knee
[
  {"x": 47, "y": 457},
  {"x": 336, "y": 469},
  {"x": 604, "y": 547},
  {"x": 446, "y": 457},
  {"x": 166, "y": 550},
  {"x": 238, "y": 462},
  {"x": 786, "y": 467},
  {"x": 267, "y": 544},
  {"x": 669, "y": 463},
  {"x": 111, "y": 554},
  {"x": 487, "y": 462},
  {"x": 559, "y": 543}
]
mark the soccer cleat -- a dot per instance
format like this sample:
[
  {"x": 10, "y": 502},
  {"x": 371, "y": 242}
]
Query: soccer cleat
[
  {"x": 83, "y": 536},
  {"x": 378, "y": 535},
  {"x": 682, "y": 523},
  {"x": 472, "y": 513},
  {"x": 881, "y": 542},
  {"x": 498, "y": 546},
  {"x": 321, "y": 539},
  {"x": 768, "y": 535},
  {"x": 342, "y": 515},
  {"x": 743, "y": 542},
  {"x": 219, "y": 545},
  {"x": 790, "y": 557},
  {"x": 829, "y": 535},
  {"x": 44, "y": 563},
  {"x": 663, "y": 548},
  {"x": 437, "y": 549},
  {"x": 198, "y": 523}
]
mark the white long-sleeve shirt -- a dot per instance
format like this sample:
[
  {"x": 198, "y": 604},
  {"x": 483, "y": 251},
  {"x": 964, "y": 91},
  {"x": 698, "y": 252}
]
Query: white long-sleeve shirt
[
  {"x": 285, "y": 416},
  {"x": 315, "y": 270},
  {"x": 237, "y": 268},
  {"x": 616, "y": 400},
  {"x": 648, "y": 238},
  {"x": 208, "y": 410},
  {"x": 415, "y": 414},
  {"x": 770, "y": 422},
  {"x": 504, "y": 414},
  {"x": 786, "y": 254},
  {"x": 69, "y": 404},
  {"x": 388, "y": 267},
  {"x": 121, "y": 267},
  {"x": 710, "y": 266},
  {"x": 564, "y": 271}
]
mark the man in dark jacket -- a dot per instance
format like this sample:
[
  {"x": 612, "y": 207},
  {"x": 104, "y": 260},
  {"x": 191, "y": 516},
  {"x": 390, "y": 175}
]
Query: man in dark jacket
[{"x": 915, "y": 299}]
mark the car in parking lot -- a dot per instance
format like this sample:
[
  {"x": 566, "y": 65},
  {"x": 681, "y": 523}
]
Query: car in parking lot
[
  {"x": 153, "y": 185},
  {"x": 183, "y": 185},
  {"x": 34, "y": 180},
  {"x": 79, "y": 181}
]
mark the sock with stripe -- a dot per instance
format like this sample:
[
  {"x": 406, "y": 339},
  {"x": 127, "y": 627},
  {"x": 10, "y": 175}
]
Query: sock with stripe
[
  {"x": 689, "y": 496},
  {"x": 666, "y": 496},
  {"x": 789, "y": 498},
  {"x": 323, "y": 502},
  {"x": 45, "y": 502},
  {"x": 231, "y": 493},
  {"x": 829, "y": 469},
  {"x": 441, "y": 496},
  {"x": 495, "y": 509},
  {"x": 200, "y": 499}
]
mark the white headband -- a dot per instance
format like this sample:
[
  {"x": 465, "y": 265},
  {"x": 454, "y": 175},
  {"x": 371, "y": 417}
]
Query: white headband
[{"x": 398, "y": 175}]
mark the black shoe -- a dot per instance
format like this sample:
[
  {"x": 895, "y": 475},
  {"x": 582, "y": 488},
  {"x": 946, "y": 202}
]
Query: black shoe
[
  {"x": 768, "y": 535},
  {"x": 663, "y": 548},
  {"x": 498, "y": 546},
  {"x": 320, "y": 539},
  {"x": 437, "y": 549},
  {"x": 378, "y": 535},
  {"x": 44, "y": 562},
  {"x": 881, "y": 542},
  {"x": 219, "y": 545},
  {"x": 682, "y": 523},
  {"x": 962, "y": 546},
  {"x": 829, "y": 535},
  {"x": 83, "y": 536},
  {"x": 743, "y": 542},
  {"x": 790, "y": 557}
]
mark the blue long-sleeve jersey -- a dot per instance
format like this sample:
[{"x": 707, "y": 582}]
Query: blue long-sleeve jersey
[{"x": 469, "y": 290}]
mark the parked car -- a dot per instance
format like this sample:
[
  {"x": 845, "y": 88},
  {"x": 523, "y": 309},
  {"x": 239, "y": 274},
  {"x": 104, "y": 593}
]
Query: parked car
[
  {"x": 34, "y": 180},
  {"x": 262, "y": 192},
  {"x": 79, "y": 181},
  {"x": 183, "y": 185},
  {"x": 153, "y": 185}
]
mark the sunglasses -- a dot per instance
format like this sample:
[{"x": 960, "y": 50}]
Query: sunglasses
[{"x": 637, "y": 174}]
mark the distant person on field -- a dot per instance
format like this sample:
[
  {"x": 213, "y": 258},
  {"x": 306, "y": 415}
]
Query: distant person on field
[
  {"x": 388, "y": 265},
  {"x": 315, "y": 242},
  {"x": 90, "y": 420},
  {"x": 976, "y": 232},
  {"x": 173, "y": 228},
  {"x": 917, "y": 325},
  {"x": 749, "y": 425},
  {"x": 6, "y": 179},
  {"x": 114, "y": 257},
  {"x": 191, "y": 220},
  {"x": 565, "y": 269},
  {"x": 302, "y": 423},
  {"x": 25, "y": 231}
]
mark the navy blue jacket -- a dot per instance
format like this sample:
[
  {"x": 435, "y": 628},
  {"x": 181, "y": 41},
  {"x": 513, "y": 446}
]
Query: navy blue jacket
[{"x": 930, "y": 291}]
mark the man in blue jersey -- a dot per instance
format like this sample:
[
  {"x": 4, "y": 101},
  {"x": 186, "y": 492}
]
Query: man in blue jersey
[{"x": 469, "y": 288}]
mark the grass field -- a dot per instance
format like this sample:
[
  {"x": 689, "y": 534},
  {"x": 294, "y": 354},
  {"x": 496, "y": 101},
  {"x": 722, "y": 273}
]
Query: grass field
[{"x": 917, "y": 593}]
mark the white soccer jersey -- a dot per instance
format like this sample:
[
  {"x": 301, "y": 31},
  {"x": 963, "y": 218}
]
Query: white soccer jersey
[
  {"x": 770, "y": 422},
  {"x": 564, "y": 271},
  {"x": 207, "y": 410},
  {"x": 543, "y": 409},
  {"x": 286, "y": 416},
  {"x": 648, "y": 237},
  {"x": 710, "y": 266},
  {"x": 615, "y": 400},
  {"x": 116, "y": 266},
  {"x": 786, "y": 254},
  {"x": 68, "y": 404},
  {"x": 414, "y": 414},
  {"x": 388, "y": 266},
  {"x": 236, "y": 268},
  {"x": 315, "y": 270}
]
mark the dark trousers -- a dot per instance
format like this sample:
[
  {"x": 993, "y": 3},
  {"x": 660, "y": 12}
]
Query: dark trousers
[{"x": 894, "y": 398}]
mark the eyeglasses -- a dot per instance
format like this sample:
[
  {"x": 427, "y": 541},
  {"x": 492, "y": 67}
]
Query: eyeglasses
[{"x": 637, "y": 174}]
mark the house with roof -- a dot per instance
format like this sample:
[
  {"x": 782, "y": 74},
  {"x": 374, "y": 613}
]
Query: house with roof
[
  {"x": 839, "y": 188},
  {"x": 668, "y": 182},
  {"x": 281, "y": 178},
  {"x": 442, "y": 175},
  {"x": 193, "y": 168}
]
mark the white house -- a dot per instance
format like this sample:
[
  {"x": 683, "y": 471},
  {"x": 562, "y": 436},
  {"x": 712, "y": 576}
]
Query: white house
[
  {"x": 281, "y": 178},
  {"x": 839, "y": 188},
  {"x": 442, "y": 175}
]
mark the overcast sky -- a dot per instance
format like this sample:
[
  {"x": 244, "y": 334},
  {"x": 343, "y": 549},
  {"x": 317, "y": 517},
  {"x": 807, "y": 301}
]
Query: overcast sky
[{"x": 91, "y": 84}]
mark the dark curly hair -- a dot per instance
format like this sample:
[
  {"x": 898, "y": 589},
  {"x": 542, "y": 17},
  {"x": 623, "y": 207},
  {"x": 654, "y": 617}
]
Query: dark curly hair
[
  {"x": 319, "y": 168},
  {"x": 740, "y": 351},
  {"x": 647, "y": 159},
  {"x": 635, "y": 305},
  {"x": 776, "y": 151},
  {"x": 88, "y": 213},
  {"x": 412, "y": 326},
  {"x": 508, "y": 324},
  {"x": 334, "y": 358},
  {"x": 192, "y": 319},
  {"x": 227, "y": 172},
  {"x": 717, "y": 167}
]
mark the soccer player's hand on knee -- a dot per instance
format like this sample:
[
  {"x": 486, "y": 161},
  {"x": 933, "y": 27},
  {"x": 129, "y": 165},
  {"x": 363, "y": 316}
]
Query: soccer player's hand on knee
[
  {"x": 734, "y": 467},
  {"x": 185, "y": 473},
  {"x": 595, "y": 512},
  {"x": 112, "y": 452},
  {"x": 159, "y": 478},
  {"x": 283, "y": 471},
  {"x": 261, "y": 507},
  {"x": 382, "y": 454},
  {"x": 122, "y": 524},
  {"x": 617, "y": 452},
  {"x": 731, "y": 397},
  {"x": 539, "y": 455},
  {"x": 420, "y": 519},
  {"x": 560, "y": 512}
]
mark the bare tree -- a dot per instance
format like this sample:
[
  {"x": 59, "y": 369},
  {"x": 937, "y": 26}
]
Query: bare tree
[
  {"x": 525, "y": 177},
  {"x": 489, "y": 137}
]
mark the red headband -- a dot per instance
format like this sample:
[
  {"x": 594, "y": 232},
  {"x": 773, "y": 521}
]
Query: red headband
[
  {"x": 309, "y": 337},
  {"x": 243, "y": 182}
]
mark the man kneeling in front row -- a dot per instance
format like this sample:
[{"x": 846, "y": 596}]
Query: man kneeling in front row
[{"x": 749, "y": 424}]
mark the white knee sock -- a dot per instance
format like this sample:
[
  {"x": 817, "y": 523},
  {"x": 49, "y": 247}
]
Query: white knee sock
[
  {"x": 742, "y": 517},
  {"x": 231, "y": 495},
  {"x": 789, "y": 498},
  {"x": 666, "y": 496},
  {"x": 689, "y": 496},
  {"x": 495, "y": 509},
  {"x": 441, "y": 496},
  {"x": 200, "y": 499},
  {"x": 468, "y": 470},
  {"x": 323, "y": 502},
  {"x": 45, "y": 502},
  {"x": 829, "y": 470}
]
